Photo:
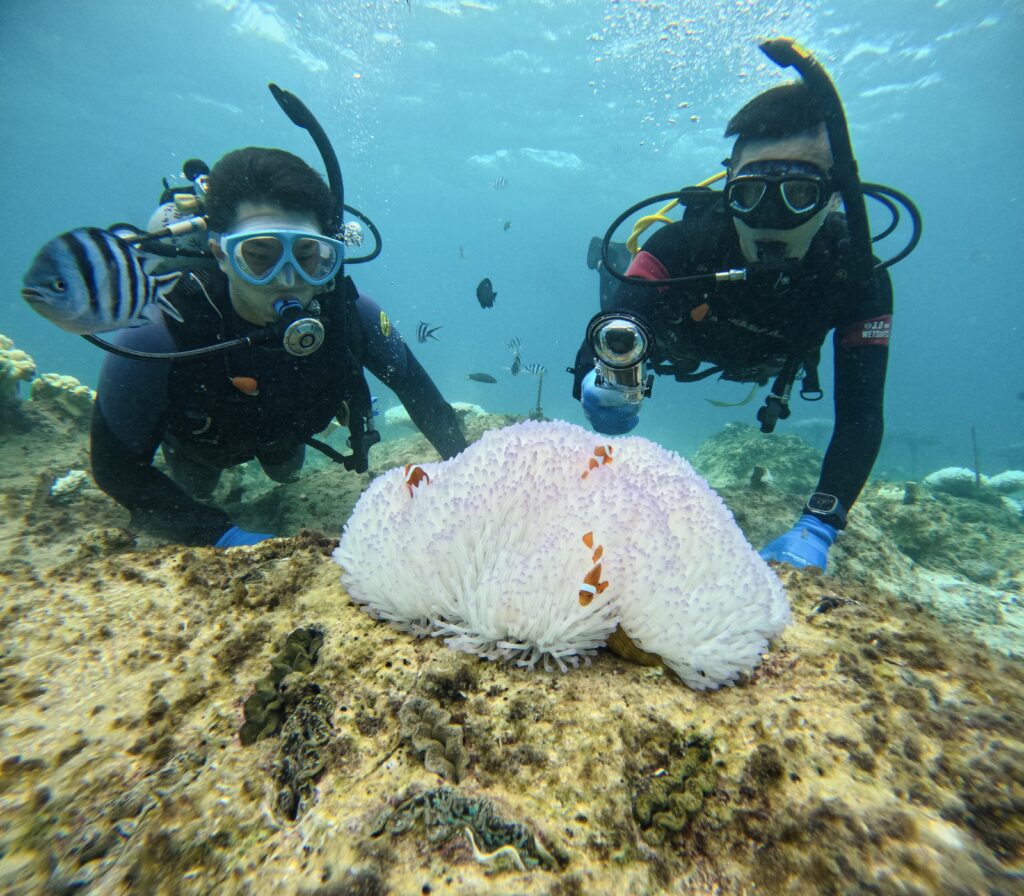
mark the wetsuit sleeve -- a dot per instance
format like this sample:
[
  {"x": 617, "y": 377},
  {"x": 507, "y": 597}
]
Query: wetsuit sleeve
[
  {"x": 861, "y": 357},
  {"x": 387, "y": 356},
  {"x": 127, "y": 424}
]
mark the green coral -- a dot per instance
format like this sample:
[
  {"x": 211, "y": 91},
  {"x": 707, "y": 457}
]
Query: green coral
[
  {"x": 444, "y": 812},
  {"x": 672, "y": 797},
  {"x": 428, "y": 727},
  {"x": 280, "y": 692}
]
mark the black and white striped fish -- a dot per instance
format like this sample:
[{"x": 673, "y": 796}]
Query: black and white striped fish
[
  {"x": 499, "y": 183},
  {"x": 535, "y": 369},
  {"x": 90, "y": 281},
  {"x": 517, "y": 364},
  {"x": 425, "y": 331},
  {"x": 513, "y": 344}
]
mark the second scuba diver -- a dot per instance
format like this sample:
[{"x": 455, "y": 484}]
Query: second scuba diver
[
  {"x": 268, "y": 214},
  {"x": 752, "y": 280}
]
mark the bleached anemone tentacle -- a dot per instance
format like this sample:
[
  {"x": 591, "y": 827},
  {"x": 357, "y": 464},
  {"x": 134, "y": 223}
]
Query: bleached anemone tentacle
[{"x": 539, "y": 540}]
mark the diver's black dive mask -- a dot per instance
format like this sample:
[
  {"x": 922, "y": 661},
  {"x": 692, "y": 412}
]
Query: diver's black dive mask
[{"x": 777, "y": 194}]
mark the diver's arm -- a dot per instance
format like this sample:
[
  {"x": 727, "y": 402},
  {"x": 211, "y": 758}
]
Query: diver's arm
[
  {"x": 390, "y": 359},
  {"x": 126, "y": 424},
  {"x": 861, "y": 359}
]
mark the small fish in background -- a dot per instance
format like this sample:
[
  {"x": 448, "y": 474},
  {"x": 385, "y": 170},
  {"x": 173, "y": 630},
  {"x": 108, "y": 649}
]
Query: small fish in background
[
  {"x": 499, "y": 183},
  {"x": 506, "y": 226},
  {"x": 535, "y": 369},
  {"x": 481, "y": 377},
  {"x": 90, "y": 281},
  {"x": 485, "y": 293},
  {"x": 462, "y": 254},
  {"x": 425, "y": 331},
  {"x": 513, "y": 346}
]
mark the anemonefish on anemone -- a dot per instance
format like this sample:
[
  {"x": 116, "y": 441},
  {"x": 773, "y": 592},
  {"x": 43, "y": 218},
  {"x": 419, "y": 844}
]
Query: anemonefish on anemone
[
  {"x": 591, "y": 586},
  {"x": 602, "y": 456},
  {"x": 414, "y": 476},
  {"x": 592, "y": 583}
]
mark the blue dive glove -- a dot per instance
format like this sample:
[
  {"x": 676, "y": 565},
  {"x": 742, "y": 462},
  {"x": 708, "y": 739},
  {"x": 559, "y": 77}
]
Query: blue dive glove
[
  {"x": 606, "y": 409},
  {"x": 236, "y": 537},
  {"x": 806, "y": 544}
]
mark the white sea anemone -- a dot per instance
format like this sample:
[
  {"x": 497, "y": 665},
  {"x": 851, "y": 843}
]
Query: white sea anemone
[{"x": 541, "y": 538}]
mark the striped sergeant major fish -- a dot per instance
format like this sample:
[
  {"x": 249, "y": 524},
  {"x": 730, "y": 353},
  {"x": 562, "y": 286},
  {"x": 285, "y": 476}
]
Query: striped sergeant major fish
[
  {"x": 90, "y": 281},
  {"x": 425, "y": 331},
  {"x": 535, "y": 369},
  {"x": 517, "y": 362}
]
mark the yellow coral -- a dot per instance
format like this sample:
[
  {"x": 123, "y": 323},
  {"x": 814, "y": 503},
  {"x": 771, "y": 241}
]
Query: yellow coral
[
  {"x": 15, "y": 366},
  {"x": 66, "y": 392}
]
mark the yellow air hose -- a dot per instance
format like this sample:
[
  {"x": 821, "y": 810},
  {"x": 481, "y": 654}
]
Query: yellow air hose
[{"x": 661, "y": 215}]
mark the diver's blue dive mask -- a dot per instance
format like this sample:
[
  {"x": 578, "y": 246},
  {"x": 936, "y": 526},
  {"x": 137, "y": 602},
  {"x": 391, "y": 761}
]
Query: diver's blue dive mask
[
  {"x": 776, "y": 194},
  {"x": 259, "y": 256}
]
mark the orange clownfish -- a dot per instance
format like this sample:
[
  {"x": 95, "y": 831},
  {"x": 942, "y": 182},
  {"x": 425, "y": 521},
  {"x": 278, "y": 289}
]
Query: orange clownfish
[
  {"x": 591, "y": 585},
  {"x": 414, "y": 475},
  {"x": 602, "y": 455}
]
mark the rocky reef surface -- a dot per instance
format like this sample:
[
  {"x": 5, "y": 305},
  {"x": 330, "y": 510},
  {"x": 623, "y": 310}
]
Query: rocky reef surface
[{"x": 183, "y": 720}]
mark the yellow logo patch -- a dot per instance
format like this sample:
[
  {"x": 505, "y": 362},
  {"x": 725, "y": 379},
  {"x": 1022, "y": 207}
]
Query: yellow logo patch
[{"x": 385, "y": 324}]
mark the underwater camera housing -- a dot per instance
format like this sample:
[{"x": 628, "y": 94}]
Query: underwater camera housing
[{"x": 621, "y": 343}]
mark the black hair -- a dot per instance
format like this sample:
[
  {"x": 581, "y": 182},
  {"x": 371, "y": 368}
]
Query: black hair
[
  {"x": 782, "y": 111},
  {"x": 256, "y": 174}
]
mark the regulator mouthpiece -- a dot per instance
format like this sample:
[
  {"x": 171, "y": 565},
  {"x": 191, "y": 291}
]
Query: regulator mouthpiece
[{"x": 302, "y": 334}]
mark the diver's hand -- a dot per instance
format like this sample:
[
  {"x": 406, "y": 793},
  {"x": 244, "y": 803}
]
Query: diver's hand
[
  {"x": 806, "y": 544},
  {"x": 606, "y": 409},
  {"x": 236, "y": 537}
]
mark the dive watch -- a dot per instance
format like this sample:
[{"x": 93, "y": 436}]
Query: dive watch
[{"x": 827, "y": 508}]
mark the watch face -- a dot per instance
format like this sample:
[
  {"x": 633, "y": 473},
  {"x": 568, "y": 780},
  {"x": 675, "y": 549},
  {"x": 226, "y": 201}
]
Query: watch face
[{"x": 822, "y": 503}]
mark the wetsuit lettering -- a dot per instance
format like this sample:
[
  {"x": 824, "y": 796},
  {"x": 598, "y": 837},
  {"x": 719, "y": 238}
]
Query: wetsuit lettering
[{"x": 875, "y": 331}]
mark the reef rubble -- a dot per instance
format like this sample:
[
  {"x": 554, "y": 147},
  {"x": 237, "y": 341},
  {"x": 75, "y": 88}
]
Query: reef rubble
[{"x": 878, "y": 749}]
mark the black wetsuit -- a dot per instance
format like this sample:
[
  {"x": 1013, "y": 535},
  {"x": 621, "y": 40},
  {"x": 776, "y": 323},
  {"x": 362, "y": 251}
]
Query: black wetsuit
[
  {"x": 749, "y": 329},
  {"x": 206, "y": 422}
]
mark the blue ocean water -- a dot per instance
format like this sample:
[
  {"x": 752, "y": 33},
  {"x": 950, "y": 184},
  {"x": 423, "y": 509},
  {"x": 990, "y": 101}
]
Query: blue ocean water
[{"x": 583, "y": 107}]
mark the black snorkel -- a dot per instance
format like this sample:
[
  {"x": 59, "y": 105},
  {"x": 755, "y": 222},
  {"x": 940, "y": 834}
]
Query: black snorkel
[
  {"x": 300, "y": 115},
  {"x": 785, "y": 52}
]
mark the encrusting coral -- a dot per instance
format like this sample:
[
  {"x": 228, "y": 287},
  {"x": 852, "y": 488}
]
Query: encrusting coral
[
  {"x": 540, "y": 539},
  {"x": 15, "y": 367},
  {"x": 66, "y": 392}
]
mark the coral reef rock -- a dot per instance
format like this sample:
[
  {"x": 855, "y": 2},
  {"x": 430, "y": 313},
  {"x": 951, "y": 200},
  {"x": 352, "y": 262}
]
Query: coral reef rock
[
  {"x": 731, "y": 457},
  {"x": 64, "y": 391},
  {"x": 15, "y": 367},
  {"x": 877, "y": 749}
]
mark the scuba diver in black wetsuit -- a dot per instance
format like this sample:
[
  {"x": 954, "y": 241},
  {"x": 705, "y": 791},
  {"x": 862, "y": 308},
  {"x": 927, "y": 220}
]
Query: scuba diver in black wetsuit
[
  {"x": 255, "y": 348},
  {"x": 752, "y": 279},
  {"x": 268, "y": 213}
]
